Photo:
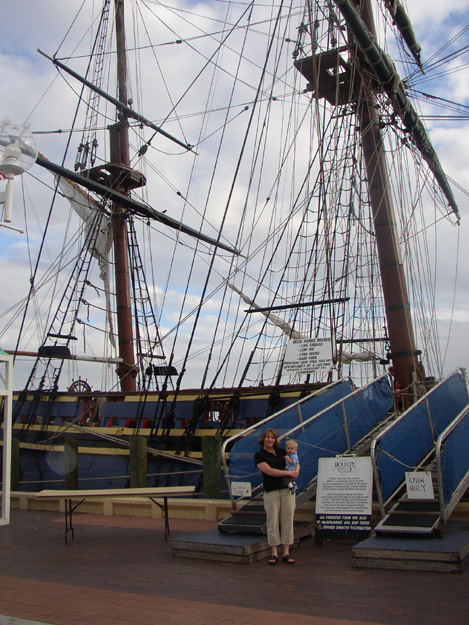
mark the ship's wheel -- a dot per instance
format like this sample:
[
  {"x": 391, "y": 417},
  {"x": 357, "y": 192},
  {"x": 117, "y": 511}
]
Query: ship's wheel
[{"x": 79, "y": 386}]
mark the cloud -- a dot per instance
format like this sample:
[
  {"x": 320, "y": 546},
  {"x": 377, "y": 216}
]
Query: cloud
[{"x": 213, "y": 186}]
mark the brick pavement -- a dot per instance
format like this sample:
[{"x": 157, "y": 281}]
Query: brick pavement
[{"x": 120, "y": 570}]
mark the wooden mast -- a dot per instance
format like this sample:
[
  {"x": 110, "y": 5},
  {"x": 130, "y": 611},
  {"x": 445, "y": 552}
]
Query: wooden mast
[
  {"x": 119, "y": 166},
  {"x": 330, "y": 77},
  {"x": 400, "y": 330}
]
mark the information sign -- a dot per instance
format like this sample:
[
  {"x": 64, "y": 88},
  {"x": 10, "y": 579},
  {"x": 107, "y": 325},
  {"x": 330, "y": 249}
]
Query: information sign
[
  {"x": 344, "y": 498},
  {"x": 306, "y": 355},
  {"x": 241, "y": 489}
]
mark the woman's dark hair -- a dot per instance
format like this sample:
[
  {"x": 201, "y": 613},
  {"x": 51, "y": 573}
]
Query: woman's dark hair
[{"x": 264, "y": 434}]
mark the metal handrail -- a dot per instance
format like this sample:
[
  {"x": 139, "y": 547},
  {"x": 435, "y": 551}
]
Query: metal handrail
[
  {"x": 377, "y": 439},
  {"x": 297, "y": 427},
  {"x": 446, "y": 510},
  {"x": 263, "y": 423}
]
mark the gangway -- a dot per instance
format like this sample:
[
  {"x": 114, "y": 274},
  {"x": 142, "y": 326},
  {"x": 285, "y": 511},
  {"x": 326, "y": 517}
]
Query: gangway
[
  {"x": 337, "y": 420},
  {"x": 431, "y": 436}
]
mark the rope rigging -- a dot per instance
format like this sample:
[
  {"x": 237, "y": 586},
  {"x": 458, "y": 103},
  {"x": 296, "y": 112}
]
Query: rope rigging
[{"x": 299, "y": 216}]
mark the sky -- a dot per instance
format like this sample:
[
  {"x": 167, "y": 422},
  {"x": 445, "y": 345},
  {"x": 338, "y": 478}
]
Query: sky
[{"x": 25, "y": 76}]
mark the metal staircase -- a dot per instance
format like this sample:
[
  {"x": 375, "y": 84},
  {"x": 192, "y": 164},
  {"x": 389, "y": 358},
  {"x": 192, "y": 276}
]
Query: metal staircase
[
  {"x": 415, "y": 516},
  {"x": 432, "y": 436}
]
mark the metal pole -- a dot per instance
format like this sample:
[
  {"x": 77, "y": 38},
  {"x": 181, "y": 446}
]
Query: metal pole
[{"x": 7, "y": 394}]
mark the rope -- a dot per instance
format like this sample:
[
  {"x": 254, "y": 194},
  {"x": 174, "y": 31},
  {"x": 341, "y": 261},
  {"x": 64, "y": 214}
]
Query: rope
[{"x": 413, "y": 468}]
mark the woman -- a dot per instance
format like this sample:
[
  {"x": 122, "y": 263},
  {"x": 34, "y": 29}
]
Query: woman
[{"x": 279, "y": 501}]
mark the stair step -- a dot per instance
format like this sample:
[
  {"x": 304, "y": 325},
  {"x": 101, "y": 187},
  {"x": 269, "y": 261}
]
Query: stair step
[
  {"x": 411, "y": 520},
  {"x": 416, "y": 505}
]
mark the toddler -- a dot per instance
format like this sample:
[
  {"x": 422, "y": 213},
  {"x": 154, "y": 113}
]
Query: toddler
[{"x": 291, "y": 462}]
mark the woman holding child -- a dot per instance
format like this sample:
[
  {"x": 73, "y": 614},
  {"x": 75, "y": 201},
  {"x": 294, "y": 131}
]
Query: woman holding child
[{"x": 279, "y": 500}]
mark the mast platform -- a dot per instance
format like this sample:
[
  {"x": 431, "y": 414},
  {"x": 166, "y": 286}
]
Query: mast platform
[
  {"x": 329, "y": 76},
  {"x": 128, "y": 178}
]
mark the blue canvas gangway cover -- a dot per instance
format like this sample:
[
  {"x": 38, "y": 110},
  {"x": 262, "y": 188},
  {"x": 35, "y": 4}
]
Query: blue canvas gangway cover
[
  {"x": 317, "y": 423},
  {"x": 410, "y": 439}
]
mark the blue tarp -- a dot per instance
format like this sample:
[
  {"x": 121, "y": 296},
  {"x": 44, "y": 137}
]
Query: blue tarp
[
  {"x": 455, "y": 457},
  {"x": 324, "y": 435},
  {"x": 411, "y": 438}
]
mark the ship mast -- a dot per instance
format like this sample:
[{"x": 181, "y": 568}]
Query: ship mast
[
  {"x": 121, "y": 181},
  {"x": 400, "y": 330},
  {"x": 330, "y": 77},
  {"x": 114, "y": 181}
]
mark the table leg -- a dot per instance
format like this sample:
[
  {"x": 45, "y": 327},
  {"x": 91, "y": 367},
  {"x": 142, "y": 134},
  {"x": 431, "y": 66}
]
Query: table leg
[
  {"x": 68, "y": 519},
  {"x": 164, "y": 508},
  {"x": 166, "y": 519},
  {"x": 69, "y": 508}
]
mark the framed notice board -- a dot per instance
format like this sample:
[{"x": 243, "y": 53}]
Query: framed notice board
[{"x": 344, "y": 498}]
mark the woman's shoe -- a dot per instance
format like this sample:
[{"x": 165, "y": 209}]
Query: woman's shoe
[
  {"x": 273, "y": 560},
  {"x": 288, "y": 559}
]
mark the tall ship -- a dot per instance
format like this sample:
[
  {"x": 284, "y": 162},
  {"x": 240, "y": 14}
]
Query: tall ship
[{"x": 232, "y": 206}]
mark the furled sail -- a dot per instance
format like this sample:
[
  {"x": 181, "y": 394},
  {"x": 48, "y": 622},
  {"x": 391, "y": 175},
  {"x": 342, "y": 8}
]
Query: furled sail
[
  {"x": 99, "y": 243},
  {"x": 345, "y": 357},
  {"x": 275, "y": 319}
]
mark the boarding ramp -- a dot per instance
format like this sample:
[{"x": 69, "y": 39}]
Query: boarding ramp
[
  {"x": 431, "y": 436},
  {"x": 335, "y": 421}
]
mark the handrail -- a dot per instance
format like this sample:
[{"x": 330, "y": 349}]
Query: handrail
[
  {"x": 424, "y": 400},
  {"x": 337, "y": 403},
  {"x": 446, "y": 510},
  {"x": 300, "y": 426},
  {"x": 263, "y": 422}
]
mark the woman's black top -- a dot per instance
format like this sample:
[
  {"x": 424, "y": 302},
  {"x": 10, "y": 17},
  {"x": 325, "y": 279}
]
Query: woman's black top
[{"x": 275, "y": 461}]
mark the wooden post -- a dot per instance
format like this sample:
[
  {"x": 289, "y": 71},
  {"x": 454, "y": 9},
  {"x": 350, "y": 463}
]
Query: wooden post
[
  {"x": 211, "y": 446},
  {"x": 71, "y": 463},
  {"x": 138, "y": 462},
  {"x": 15, "y": 464}
]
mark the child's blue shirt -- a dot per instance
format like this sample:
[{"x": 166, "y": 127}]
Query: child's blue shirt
[{"x": 294, "y": 457}]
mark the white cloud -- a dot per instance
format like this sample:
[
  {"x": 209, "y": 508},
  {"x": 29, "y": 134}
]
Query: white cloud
[{"x": 25, "y": 76}]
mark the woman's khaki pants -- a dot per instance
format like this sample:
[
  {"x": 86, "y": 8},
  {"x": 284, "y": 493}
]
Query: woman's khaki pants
[{"x": 280, "y": 508}]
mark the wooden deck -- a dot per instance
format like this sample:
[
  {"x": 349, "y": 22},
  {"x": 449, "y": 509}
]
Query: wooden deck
[{"x": 222, "y": 547}]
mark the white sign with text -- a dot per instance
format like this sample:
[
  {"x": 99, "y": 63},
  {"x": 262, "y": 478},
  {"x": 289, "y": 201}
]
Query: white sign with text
[
  {"x": 306, "y": 355},
  {"x": 344, "y": 496},
  {"x": 344, "y": 485},
  {"x": 419, "y": 485},
  {"x": 241, "y": 489}
]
